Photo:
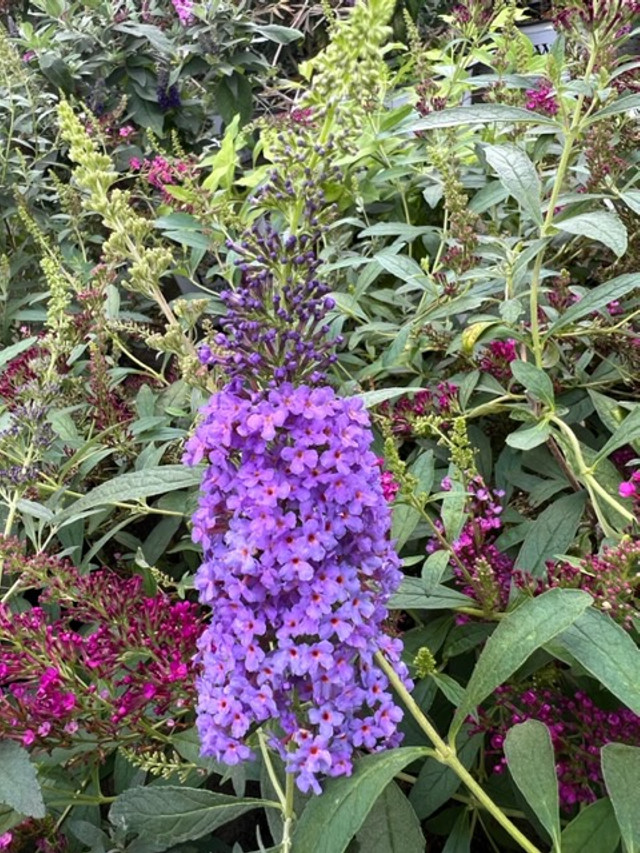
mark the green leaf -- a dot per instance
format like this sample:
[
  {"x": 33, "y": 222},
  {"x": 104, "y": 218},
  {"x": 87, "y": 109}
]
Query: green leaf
[
  {"x": 405, "y": 519},
  {"x": 529, "y": 753},
  {"x": 453, "y": 510},
  {"x": 151, "y": 33},
  {"x": 517, "y": 636},
  {"x": 518, "y": 175},
  {"x": 423, "y": 469},
  {"x": 526, "y": 438},
  {"x": 146, "y": 114},
  {"x": 489, "y": 196},
  {"x": 56, "y": 71},
  {"x": 347, "y": 304},
  {"x": 19, "y": 786},
  {"x": 594, "y": 830},
  {"x": 400, "y": 266},
  {"x": 413, "y": 594},
  {"x": 437, "y": 783},
  {"x": 14, "y": 350},
  {"x": 193, "y": 239},
  {"x": 223, "y": 162},
  {"x": 609, "y": 410},
  {"x": 600, "y": 225},
  {"x": 608, "y": 652},
  {"x": 434, "y": 568},
  {"x": 535, "y": 381},
  {"x": 551, "y": 533},
  {"x": 597, "y": 298},
  {"x": 329, "y": 822},
  {"x": 134, "y": 486},
  {"x": 476, "y": 114},
  {"x": 9, "y": 818},
  {"x": 622, "y": 105},
  {"x": 632, "y": 199},
  {"x": 621, "y": 771},
  {"x": 459, "y": 839},
  {"x": 449, "y": 687},
  {"x": 627, "y": 433},
  {"x": 277, "y": 33},
  {"x": 392, "y": 825},
  {"x": 374, "y": 398},
  {"x": 171, "y": 814},
  {"x": 396, "y": 229}
]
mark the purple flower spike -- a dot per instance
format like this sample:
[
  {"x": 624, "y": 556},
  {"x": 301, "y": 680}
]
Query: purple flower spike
[{"x": 298, "y": 569}]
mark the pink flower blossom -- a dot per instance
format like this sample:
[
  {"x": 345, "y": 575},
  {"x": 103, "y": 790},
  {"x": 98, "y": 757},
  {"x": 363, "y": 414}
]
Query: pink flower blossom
[
  {"x": 184, "y": 10},
  {"x": 542, "y": 98},
  {"x": 627, "y": 490}
]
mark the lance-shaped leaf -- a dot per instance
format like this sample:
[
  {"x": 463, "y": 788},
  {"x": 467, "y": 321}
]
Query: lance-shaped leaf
[
  {"x": 518, "y": 635},
  {"x": 518, "y": 176}
]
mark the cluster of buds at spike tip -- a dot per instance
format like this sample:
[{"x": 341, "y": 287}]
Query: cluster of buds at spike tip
[
  {"x": 542, "y": 98},
  {"x": 496, "y": 357},
  {"x": 273, "y": 331}
]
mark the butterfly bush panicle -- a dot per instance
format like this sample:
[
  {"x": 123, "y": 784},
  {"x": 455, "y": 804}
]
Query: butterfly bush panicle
[
  {"x": 542, "y": 98},
  {"x": 128, "y": 671},
  {"x": 298, "y": 569},
  {"x": 488, "y": 575},
  {"x": 184, "y": 11},
  {"x": 578, "y": 728}
]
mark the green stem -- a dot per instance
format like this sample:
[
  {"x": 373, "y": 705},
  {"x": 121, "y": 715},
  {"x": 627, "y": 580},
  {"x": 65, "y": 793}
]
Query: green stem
[
  {"x": 13, "y": 588},
  {"x": 445, "y": 753},
  {"x": 271, "y": 773},
  {"x": 289, "y": 815},
  {"x": 572, "y": 134},
  {"x": 13, "y": 505},
  {"x": 593, "y": 486}
]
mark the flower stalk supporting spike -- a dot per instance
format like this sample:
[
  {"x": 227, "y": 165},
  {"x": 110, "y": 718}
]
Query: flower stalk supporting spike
[{"x": 445, "y": 753}]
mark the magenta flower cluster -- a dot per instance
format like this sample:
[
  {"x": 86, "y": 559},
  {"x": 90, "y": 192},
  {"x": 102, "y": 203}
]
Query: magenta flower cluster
[
  {"x": 578, "y": 727},
  {"x": 440, "y": 400},
  {"x": 542, "y": 99},
  {"x": 496, "y": 359},
  {"x": 481, "y": 570},
  {"x": 390, "y": 486},
  {"x": 298, "y": 569},
  {"x": 486, "y": 574},
  {"x": 163, "y": 174},
  {"x": 130, "y": 668},
  {"x": 631, "y": 488},
  {"x": 611, "y": 577}
]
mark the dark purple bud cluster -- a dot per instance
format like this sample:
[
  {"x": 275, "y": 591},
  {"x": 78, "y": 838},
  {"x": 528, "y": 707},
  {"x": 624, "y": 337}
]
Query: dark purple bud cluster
[
  {"x": 273, "y": 330},
  {"x": 168, "y": 95},
  {"x": 27, "y": 424}
]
